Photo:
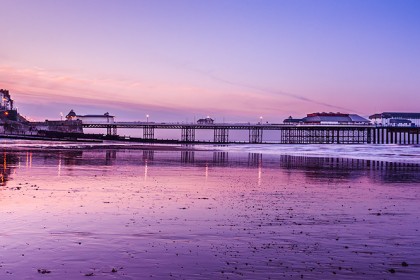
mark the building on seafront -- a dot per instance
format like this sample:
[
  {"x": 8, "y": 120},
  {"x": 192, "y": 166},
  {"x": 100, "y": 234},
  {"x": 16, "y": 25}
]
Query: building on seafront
[
  {"x": 396, "y": 119},
  {"x": 105, "y": 118},
  {"x": 6, "y": 101},
  {"x": 7, "y": 112},
  {"x": 206, "y": 120},
  {"x": 329, "y": 119}
]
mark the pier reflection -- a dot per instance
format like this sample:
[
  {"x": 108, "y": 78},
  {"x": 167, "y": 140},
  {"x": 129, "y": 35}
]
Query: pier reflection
[
  {"x": 8, "y": 162},
  {"x": 187, "y": 156},
  {"x": 319, "y": 169},
  {"x": 148, "y": 155},
  {"x": 220, "y": 158}
]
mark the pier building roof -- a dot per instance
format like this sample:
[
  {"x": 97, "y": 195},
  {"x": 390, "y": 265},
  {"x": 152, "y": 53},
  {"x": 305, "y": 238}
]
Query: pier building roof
[
  {"x": 207, "y": 120},
  {"x": 397, "y": 115},
  {"x": 328, "y": 118},
  {"x": 291, "y": 120}
]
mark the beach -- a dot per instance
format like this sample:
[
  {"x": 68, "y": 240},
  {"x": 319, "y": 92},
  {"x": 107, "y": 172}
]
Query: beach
[{"x": 185, "y": 213}]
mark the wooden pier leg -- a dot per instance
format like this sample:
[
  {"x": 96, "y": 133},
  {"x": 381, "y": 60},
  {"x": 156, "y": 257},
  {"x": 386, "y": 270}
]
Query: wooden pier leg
[
  {"x": 187, "y": 134},
  {"x": 338, "y": 136},
  {"x": 382, "y": 136},
  {"x": 374, "y": 135},
  {"x": 221, "y": 135},
  {"x": 149, "y": 132},
  {"x": 255, "y": 135}
]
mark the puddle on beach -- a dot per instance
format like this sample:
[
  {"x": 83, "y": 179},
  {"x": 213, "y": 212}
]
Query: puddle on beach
[{"x": 132, "y": 214}]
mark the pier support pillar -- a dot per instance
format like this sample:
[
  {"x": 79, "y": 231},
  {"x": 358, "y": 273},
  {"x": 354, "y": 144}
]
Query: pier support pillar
[
  {"x": 255, "y": 135},
  {"x": 221, "y": 135},
  {"x": 111, "y": 130},
  {"x": 187, "y": 134},
  {"x": 382, "y": 136},
  {"x": 149, "y": 132}
]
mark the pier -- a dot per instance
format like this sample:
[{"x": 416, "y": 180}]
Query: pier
[
  {"x": 287, "y": 134},
  {"x": 316, "y": 128}
]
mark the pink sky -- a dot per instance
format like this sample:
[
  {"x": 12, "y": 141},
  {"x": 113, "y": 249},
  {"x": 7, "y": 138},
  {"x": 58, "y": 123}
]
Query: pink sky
[{"x": 236, "y": 60}]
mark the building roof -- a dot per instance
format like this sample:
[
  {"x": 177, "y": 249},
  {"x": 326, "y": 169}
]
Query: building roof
[
  {"x": 326, "y": 114},
  {"x": 389, "y": 115},
  {"x": 375, "y": 116},
  {"x": 71, "y": 114},
  {"x": 316, "y": 119},
  {"x": 291, "y": 120},
  {"x": 357, "y": 118},
  {"x": 400, "y": 121},
  {"x": 331, "y": 117}
]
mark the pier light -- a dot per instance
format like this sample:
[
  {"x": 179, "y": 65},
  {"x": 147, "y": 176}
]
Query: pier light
[
  {"x": 147, "y": 118},
  {"x": 261, "y": 119}
]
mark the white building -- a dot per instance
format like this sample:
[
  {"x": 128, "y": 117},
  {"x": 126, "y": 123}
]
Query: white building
[{"x": 396, "y": 119}]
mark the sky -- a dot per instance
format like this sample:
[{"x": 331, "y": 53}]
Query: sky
[{"x": 232, "y": 60}]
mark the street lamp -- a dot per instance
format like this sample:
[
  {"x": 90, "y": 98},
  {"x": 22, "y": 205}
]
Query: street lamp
[
  {"x": 147, "y": 118},
  {"x": 261, "y": 119}
]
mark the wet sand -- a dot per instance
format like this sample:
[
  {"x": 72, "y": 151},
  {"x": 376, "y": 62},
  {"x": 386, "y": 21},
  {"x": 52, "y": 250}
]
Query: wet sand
[{"x": 134, "y": 214}]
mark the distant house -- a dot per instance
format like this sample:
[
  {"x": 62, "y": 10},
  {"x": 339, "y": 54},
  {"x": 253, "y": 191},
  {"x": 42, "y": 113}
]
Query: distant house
[
  {"x": 396, "y": 119},
  {"x": 207, "y": 120},
  {"x": 328, "y": 118},
  {"x": 105, "y": 118}
]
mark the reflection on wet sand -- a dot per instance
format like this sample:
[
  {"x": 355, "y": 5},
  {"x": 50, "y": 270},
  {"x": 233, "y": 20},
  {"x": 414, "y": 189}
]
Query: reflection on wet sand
[
  {"x": 316, "y": 168},
  {"x": 8, "y": 163},
  {"x": 133, "y": 214}
]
